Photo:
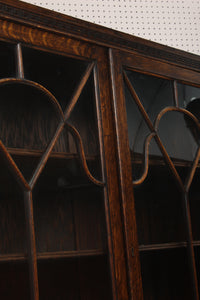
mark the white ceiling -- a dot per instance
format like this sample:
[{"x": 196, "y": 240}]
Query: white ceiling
[{"x": 174, "y": 23}]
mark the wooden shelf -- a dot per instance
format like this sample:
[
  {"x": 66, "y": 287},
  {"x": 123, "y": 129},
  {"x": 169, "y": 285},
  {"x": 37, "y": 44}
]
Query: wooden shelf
[
  {"x": 137, "y": 158},
  {"x": 165, "y": 246},
  {"x": 37, "y": 153},
  {"x": 52, "y": 255}
]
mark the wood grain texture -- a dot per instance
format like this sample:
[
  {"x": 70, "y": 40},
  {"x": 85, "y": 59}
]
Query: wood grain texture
[
  {"x": 119, "y": 62},
  {"x": 86, "y": 236},
  {"x": 125, "y": 176},
  {"x": 85, "y": 31},
  {"x": 31, "y": 245}
]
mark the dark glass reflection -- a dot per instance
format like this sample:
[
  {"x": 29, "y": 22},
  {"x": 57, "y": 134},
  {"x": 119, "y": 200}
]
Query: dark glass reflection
[
  {"x": 178, "y": 132},
  {"x": 154, "y": 93},
  {"x": 162, "y": 222},
  {"x": 186, "y": 94}
]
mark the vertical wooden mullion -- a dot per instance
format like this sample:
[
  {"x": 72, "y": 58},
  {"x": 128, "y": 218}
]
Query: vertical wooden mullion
[
  {"x": 125, "y": 173},
  {"x": 77, "y": 242},
  {"x": 32, "y": 257},
  {"x": 190, "y": 248},
  {"x": 103, "y": 173},
  {"x": 19, "y": 63},
  {"x": 175, "y": 90}
]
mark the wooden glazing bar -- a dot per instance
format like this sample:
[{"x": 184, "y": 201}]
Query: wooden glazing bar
[
  {"x": 37, "y": 86},
  {"x": 192, "y": 171},
  {"x": 32, "y": 258},
  {"x": 78, "y": 91},
  {"x": 20, "y": 65},
  {"x": 98, "y": 96},
  {"x": 175, "y": 90},
  {"x": 53, "y": 255},
  {"x": 146, "y": 160},
  {"x": 99, "y": 125},
  {"x": 137, "y": 101},
  {"x": 176, "y": 109},
  {"x": 151, "y": 127},
  {"x": 196, "y": 160},
  {"x": 77, "y": 241},
  {"x": 13, "y": 167},
  {"x": 74, "y": 132},
  {"x": 46, "y": 155},
  {"x": 61, "y": 125},
  {"x": 166, "y": 246},
  {"x": 190, "y": 248},
  {"x": 170, "y": 163},
  {"x": 80, "y": 150}
]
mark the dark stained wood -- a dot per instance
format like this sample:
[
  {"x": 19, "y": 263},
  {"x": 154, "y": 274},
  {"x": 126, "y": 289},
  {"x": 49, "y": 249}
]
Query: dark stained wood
[
  {"x": 53, "y": 255},
  {"x": 64, "y": 138},
  {"x": 190, "y": 248},
  {"x": 31, "y": 245},
  {"x": 112, "y": 199},
  {"x": 25, "y": 13},
  {"x": 164, "y": 246},
  {"x": 13, "y": 167},
  {"x": 80, "y": 150},
  {"x": 153, "y": 130},
  {"x": 20, "y": 66},
  {"x": 125, "y": 180},
  {"x": 175, "y": 89},
  {"x": 77, "y": 92},
  {"x": 134, "y": 63}
]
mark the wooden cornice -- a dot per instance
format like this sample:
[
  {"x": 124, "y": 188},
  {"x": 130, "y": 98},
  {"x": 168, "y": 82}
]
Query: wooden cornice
[{"x": 55, "y": 22}]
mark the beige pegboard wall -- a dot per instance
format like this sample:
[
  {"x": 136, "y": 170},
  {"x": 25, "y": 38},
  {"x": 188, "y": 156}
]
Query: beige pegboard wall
[{"x": 174, "y": 23}]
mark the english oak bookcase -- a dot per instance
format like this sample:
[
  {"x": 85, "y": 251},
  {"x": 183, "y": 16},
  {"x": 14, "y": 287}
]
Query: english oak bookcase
[{"x": 99, "y": 162}]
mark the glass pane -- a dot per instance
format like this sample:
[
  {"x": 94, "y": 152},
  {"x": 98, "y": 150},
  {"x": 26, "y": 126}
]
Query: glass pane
[
  {"x": 25, "y": 114},
  {"x": 159, "y": 201},
  {"x": 84, "y": 120},
  {"x": 14, "y": 280},
  {"x": 154, "y": 93},
  {"x": 59, "y": 74},
  {"x": 186, "y": 94},
  {"x": 178, "y": 141},
  {"x": 7, "y": 60},
  {"x": 138, "y": 131},
  {"x": 165, "y": 275},
  {"x": 68, "y": 205},
  {"x": 159, "y": 214}
]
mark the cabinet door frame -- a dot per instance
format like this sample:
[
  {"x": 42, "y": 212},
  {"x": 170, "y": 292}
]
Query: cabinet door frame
[
  {"x": 119, "y": 61},
  {"x": 49, "y": 40}
]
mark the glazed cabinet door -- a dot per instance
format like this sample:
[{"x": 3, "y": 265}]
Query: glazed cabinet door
[
  {"x": 157, "y": 113},
  {"x": 60, "y": 229}
]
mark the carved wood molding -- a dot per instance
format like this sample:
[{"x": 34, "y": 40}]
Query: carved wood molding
[{"x": 53, "y": 21}]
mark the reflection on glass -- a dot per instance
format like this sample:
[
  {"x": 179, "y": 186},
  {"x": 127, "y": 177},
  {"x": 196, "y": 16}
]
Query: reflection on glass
[
  {"x": 166, "y": 114},
  {"x": 177, "y": 131},
  {"x": 154, "y": 93},
  {"x": 176, "y": 136},
  {"x": 186, "y": 94}
]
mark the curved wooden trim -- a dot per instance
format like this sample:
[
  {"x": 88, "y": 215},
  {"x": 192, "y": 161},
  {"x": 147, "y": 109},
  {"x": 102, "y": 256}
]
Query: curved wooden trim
[
  {"x": 80, "y": 149},
  {"x": 39, "y": 87},
  {"x": 66, "y": 25}
]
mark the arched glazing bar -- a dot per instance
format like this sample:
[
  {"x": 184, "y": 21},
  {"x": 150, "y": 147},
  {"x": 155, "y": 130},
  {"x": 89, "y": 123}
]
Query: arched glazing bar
[
  {"x": 28, "y": 186},
  {"x": 183, "y": 186}
]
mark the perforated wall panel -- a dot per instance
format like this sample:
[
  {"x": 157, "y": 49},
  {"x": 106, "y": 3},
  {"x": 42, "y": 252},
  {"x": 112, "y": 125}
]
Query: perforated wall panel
[{"x": 174, "y": 23}]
